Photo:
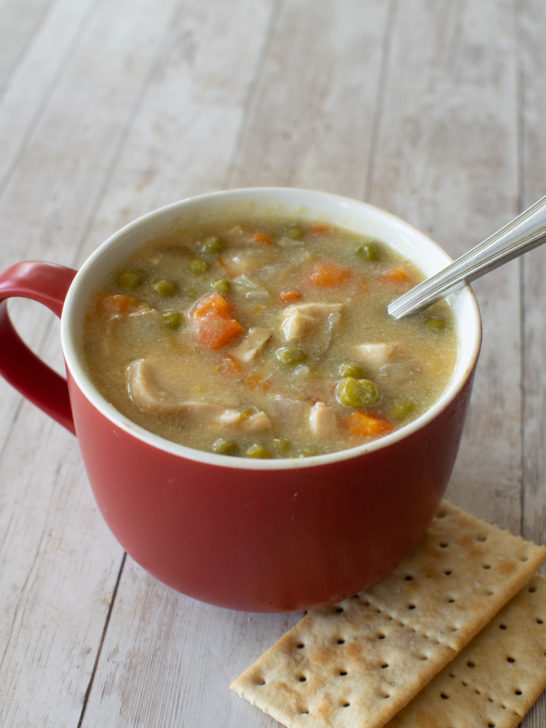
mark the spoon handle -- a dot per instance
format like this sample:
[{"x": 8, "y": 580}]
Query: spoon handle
[{"x": 521, "y": 234}]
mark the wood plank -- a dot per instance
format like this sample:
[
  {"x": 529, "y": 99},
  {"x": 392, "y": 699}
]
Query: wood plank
[
  {"x": 28, "y": 88},
  {"x": 532, "y": 20},
  {"x": 310, "y": 123},
  {"x": 155, "y": 673},
  {"x": 18, "y": 26},
  {"x": 446, "y": 159}
]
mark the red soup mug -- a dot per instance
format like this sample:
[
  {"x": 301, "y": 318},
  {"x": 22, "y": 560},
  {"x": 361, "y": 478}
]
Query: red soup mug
[{"x": 256, "y": 535}]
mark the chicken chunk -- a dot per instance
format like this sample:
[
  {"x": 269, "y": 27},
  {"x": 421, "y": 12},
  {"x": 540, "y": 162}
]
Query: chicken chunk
[
  {"x": 252, "y": 344},
  {"x": 322, "y": 421},
  {"x": 301, "y": 318},
  {"x": 235, "y": 420},
  {"x": 156, "y": 393},
  {"x": 375, "y": 355}
]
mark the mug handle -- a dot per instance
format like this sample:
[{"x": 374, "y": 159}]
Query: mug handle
[{"x": 48, "y": 284}]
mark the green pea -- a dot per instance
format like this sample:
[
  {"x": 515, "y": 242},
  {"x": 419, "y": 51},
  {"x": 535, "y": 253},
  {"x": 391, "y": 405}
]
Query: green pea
[
  {"x": 172, "y": 319},
  {"x": 367, "y": 252},
  {"x": 257, "y": 451},
  {"x": 222, "y": 286},
  {"x": 437, "y": 323},
  {"x": 211, "y": 245},
  {"x": 352, "y": 392},
  {"x": 280, "y": 445},
  {"x": 199, "y": 266},
  {"x": 129, "y": 280},
  {"x": 290, "y": 355},
  {"x": 165, "y": 287},
  {"x": 348, "y": 369},
  {"x": 402, "y": 408},
  {"x": 222, "y": 446},
  {"x": 294, "y": 232}
]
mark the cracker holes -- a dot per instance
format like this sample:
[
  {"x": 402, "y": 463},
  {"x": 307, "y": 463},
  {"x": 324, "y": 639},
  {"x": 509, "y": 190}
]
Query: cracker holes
[
  {"x": 385, "y": 696},
  {"x": 302, "y": 679},
  {"x": 518, "y": 692},
  {"x": 532, "y": 589},
  {"x": 482, "y": 538},
  {"x": 511, "y": 660},
  {"x": 343, "y": 673},
  {"x": 260, "y": 682},
  {"x": 448, "y": 572},
  {"x": 340, "y": 641},
  {"x": 444, "y": 696},
  {"x": 408, "y": 577},
  {"x": 384, "y": 666},
  {"x": 470, "y": 664},
  {"x": 443, "y": 544},
  {"x": 491, "y": 725},
  {"x": 486, "y": 566},
  {"x": 304, "y": 711},
  {"x": 502, "y": 626},
  {"x": 380, "y": 636},
  {"x": 451, "y": 600},
  {"x": 346, "y": 704},
  {"x": 441, "y": 514},
  {"x": 300, "y": 646},
  {"x": 411, "y": 606},
  {"x": 538, "y": 620},
  {"x": 339, "y": 610}
]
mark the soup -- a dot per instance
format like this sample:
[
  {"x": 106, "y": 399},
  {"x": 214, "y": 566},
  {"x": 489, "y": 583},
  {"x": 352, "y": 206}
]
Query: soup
[{"x": 266, "y": 338}]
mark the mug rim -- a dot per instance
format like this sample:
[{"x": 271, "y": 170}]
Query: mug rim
[{"x": 74, "y": 357}]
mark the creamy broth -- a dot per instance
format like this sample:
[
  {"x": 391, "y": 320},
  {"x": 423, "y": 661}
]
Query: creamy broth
[{"x": 267, "y": 338}]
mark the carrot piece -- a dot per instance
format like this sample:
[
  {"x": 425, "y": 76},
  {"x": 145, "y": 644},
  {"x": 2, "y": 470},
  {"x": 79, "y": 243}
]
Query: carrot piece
[
  {"x": 319, "y": 228},
  {"x": 328, "y": 275},
  {"x": 213, "y": 325},
  {"x": 117, "y": 304},
  {"x": 396, "y": 275},
  {"x": 212, "y": 305},
  {"x": 216, "y": 331},
  {"x": 259, "y": 237},
  {"x": 290, "y": 296},
  {"x": 229, "y": 365},
  {"x": 361, "y": 424}
]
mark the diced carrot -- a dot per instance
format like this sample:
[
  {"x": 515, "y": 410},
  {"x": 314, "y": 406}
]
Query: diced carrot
[
  {"x": 212, "y": 323},
  {"x": 262, "y": 238},
  {"x": 216, "y": 331},
  {"x": 328, "y": 275},
  {"x": 212, "y": 305},
  {"x": 229, "y": 365},
  {"x": 117, "y": 304},
  {"x": 396, "y": 275},
  {"x": 319, "y": 228},
  {"x": 361, "y": 424},
  {"x": 290, "y": 296}
]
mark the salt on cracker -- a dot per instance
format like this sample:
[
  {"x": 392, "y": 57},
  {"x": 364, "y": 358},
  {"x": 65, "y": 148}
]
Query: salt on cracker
[
  {"x": 496, "y": 679},
  {"x": 359, "y": 662}
]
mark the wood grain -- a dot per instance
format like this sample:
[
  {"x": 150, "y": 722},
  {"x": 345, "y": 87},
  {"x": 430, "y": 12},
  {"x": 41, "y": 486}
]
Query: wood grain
[{"x": 435, "y": 111}]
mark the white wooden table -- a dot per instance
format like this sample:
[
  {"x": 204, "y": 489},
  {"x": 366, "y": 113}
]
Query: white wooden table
[{"x": 110, "y": 108}]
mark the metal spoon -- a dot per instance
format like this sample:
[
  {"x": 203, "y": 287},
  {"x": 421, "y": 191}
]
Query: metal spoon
[{"x": 523, "y": 233}]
